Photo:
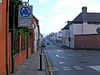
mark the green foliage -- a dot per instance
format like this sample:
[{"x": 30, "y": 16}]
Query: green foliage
[
  {"x": 16, "y": 29},
  {"x": 13, "y": 19}
]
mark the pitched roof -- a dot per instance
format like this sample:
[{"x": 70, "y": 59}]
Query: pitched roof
[{"x": 91, "y": 18}]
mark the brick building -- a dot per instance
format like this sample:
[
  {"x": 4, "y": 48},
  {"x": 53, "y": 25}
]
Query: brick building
[
  {"x": 15, "y": 46},
  {"x": 3, "y": 39}
]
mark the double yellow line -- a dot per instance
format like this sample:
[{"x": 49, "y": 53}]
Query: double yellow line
[{"x": 51, "y": 72}]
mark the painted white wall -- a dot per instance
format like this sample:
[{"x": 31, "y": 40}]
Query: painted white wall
[
  {"x": 67, "y": 38},
  {"x": 59, "y": 35},
  {"x": 78, "y": 29},
  {"x": 59, "y": 38},
  {"x": 85, "y": 29},
  {"x": 64, "y": 35},
  {"x": 90, "y": 28},
  {"x": 54, "y": 38},
  {"x": 71, "y": 33}
]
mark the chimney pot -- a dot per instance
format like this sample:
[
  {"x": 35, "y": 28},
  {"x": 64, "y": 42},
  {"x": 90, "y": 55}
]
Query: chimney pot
[{"x": 84, "y": 13}]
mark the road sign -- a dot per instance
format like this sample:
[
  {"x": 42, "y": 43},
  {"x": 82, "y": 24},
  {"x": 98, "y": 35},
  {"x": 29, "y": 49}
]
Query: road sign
[{"x": 25, "y": 16}]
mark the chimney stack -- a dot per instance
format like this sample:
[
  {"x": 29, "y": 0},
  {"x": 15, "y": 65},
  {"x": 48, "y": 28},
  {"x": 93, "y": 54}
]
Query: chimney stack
[{"x": 84, "y": 14}]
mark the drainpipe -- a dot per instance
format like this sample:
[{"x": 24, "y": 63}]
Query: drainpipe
[
  {"x": 12, "y": 40},
  {"x": 7, "y": 71}
]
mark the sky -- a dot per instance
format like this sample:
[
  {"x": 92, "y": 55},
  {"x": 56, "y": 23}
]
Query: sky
[{"x": 54, "y": 14}]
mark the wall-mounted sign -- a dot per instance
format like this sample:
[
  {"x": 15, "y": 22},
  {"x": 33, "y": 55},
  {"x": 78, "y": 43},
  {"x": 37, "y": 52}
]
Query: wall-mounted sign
[
  {"x": 98, "y": 30},
  {"x": 25, "y": 16}
]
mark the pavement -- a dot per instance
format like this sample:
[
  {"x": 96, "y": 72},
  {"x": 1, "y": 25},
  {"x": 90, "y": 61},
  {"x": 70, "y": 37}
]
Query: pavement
[{"x": 31, "y": 66}]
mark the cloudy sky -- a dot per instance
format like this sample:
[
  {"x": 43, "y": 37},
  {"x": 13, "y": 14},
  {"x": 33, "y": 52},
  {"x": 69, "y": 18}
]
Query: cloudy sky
[{"x": 52, "y": 14}]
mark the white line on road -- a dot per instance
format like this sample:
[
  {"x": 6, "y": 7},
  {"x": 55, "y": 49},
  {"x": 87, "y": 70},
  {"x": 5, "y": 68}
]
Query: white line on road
[
  {"x": 61, "y": 62},
  {"x": 66, "y": 68},
  {"x": 57, "y": 56},
  {"x": 96, "y": 67},
  {"x": 60, "y": 50},
  {"x": 78, "y": 67}
]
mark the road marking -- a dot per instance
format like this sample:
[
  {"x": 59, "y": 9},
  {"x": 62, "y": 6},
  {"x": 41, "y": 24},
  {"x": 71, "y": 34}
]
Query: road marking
[
  {"x": 78, "y": 67},
  {"x": 57, "y": 56},
  {"x": 61, "y": 62},
  {"x": 66, "y": 68},
  {"x": 60, "y": 50},
  {"x": 97, "y": 67}
]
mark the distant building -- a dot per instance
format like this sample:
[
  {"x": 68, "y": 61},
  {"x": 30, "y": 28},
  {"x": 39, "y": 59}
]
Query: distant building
[
  {"x": 83, "y": 31},
  {"x": 65, "y": 33},
  {"x": 59, "y": 38}
]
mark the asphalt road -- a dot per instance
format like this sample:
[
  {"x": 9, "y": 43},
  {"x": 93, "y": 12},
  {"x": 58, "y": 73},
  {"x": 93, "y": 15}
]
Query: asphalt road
[{"x": 73, "y": 62}]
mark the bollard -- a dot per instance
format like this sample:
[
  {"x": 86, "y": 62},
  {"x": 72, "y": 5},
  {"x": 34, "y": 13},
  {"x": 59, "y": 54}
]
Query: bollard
[
  {"x": 41, "y": 54},
  {"x": 40, "y": 62},
  {"x": 40, "y": 69}
]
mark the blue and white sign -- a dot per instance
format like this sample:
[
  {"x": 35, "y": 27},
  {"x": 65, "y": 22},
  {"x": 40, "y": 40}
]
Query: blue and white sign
[
  {"x": 25, "y": 11},
  {"x": 25, "y": 16}
]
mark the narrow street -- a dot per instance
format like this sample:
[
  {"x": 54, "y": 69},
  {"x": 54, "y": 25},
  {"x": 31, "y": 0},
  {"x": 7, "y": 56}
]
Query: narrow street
[
  {"x": 73, "y": 62},
  {"x": 47, "y": 37}
]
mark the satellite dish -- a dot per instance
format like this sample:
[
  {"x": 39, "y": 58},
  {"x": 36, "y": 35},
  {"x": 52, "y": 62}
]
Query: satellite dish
[{"x": 98, "y": 30}]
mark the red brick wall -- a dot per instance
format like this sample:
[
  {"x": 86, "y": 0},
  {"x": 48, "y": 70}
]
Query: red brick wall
[
  {"x": 3, "y": 39},
  {"x": 9, "y": 51},
  {"x": 32, "y": 41},
  {"x": 0, "y": 14},
  {"x": 20, "y": 57},
  {"x": 87, "y": 41}
]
